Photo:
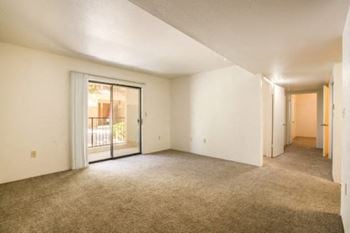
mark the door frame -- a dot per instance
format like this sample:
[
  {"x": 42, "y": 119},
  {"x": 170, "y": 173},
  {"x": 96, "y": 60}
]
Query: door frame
[{"x": 94, "y": 80}]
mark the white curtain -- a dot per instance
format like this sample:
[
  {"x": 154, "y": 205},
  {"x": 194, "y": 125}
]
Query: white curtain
[{"x": 79, "y": 92}]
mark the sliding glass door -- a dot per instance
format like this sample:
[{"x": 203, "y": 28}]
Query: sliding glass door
[
  {"x": 99, "y": 121},
  {"x": 114, "y": 128},
  {"x": 126, "y": 121}
]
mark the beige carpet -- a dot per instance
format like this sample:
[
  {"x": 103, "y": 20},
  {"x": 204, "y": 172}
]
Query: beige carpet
[{"x": 178, "y": 192}]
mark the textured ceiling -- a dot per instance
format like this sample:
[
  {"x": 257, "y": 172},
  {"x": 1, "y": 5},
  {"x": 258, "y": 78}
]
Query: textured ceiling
[
  {"x": 293, "y": 42},
  {"x": 109, "y": 31}
]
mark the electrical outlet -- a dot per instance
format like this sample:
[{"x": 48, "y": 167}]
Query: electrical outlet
[
  {"x": 33, "y": 154},
  {"x": 158, "y": 137},
  {"x": 204, "y": 140}
]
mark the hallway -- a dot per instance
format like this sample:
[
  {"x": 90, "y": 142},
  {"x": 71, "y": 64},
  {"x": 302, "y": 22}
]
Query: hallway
[
  {"x": 308, "y": 176},
  {"x": 302, "y": 156}
]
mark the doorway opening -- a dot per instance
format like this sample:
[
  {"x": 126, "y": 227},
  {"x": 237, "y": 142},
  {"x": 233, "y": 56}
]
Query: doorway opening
[
  {"x": 303, "y": 122},
  {"x": 114, "y": 121}
]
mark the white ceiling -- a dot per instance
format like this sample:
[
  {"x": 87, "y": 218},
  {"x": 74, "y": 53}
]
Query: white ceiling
[
  {"x": 109, "y": 31},
  {"x": 294, "y": 42}
]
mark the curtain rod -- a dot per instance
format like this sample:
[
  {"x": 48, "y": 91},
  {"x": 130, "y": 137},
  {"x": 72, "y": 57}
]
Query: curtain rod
[{"x": 106, "y": 77}]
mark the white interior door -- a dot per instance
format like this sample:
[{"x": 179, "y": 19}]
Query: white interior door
[
  {"x": 288, "y": 119},
  {"x": 292, "y": 118},
  {"x": 279, "y": 121},
  {"x": 267, "y": 89}
]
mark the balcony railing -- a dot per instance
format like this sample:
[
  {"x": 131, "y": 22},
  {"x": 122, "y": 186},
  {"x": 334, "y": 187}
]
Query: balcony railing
[{"x": 99, "y": 131}]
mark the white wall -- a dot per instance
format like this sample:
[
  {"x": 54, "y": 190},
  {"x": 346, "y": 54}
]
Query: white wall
[
  {"x": 345, "y": 199},
  {"x": 219, "y": 114},
  {"x": 306, "y": 115},
  {"x": 34, "y": 98},
  {"x": 337, "y": 122}
]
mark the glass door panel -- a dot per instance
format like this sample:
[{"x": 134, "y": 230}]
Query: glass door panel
[
  {"x": 99, "y": 121},
  {"x": 126, "y": 121}
]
